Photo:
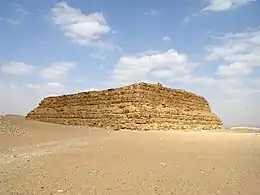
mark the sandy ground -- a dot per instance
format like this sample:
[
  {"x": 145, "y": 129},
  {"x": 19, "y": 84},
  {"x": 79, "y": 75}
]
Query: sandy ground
[{"x": 55, "y": 159}]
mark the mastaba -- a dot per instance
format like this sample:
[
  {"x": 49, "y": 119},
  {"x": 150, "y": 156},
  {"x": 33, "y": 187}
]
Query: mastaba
[{"x": 139, "y": 106}]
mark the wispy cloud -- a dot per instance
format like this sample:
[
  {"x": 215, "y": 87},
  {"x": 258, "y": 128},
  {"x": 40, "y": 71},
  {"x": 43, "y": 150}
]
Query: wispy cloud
[
  {"x": 188, "y": 18},
  {"x": 151, "y": 12},
  {"x": 19, "y": 9},
  {"x": 98, "y": 56},
  {"x": 224, "y": 5},
  {"x": 17, "y": 68},
  {"x": 166, "y": 38},
  {"x": 239, "y": 51},
  {"x": 57, "y": 70},
  {"x": 18, "y": 16}
]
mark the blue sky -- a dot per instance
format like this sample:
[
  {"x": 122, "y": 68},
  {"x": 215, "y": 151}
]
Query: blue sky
[{"x": 209, "y": 47}]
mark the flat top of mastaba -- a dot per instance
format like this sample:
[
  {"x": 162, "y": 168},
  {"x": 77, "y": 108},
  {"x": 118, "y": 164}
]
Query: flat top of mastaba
[
  {"x": 131, "y": 86},
  {"x": 144, "y": 84},
  {"x": 157, "y": 85}
]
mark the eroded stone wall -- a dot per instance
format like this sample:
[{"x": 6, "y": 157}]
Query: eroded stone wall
[{"x": 139, "y": 106}]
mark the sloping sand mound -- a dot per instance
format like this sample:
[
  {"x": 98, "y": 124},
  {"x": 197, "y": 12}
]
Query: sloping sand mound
[{"x": 8, "y": 127}]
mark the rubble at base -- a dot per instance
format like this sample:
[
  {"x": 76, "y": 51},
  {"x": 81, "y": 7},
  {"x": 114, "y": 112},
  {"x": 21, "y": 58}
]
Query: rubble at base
[{"x": 10, "y": 128}]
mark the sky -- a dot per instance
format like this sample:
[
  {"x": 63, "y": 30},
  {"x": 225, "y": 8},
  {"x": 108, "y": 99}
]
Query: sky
[{"x": 208, "y": 47}]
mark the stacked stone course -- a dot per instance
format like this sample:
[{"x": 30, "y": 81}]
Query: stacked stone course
[{"x": 138, "y": 106}]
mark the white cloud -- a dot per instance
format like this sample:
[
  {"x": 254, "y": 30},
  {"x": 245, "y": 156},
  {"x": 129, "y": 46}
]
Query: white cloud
[
  {"x": 240, "y": 52},
  {"x": 151, "y": 12},
  {"x": 17, "y": 68},
  {"x": 186, "y": 19},
  {"x": 47, "y": 85},
  {"x": 148, "y": 52},
  {"x": 224, "y": 5},
  {"x": 236, "y": 69},
  {"x": 98, "y": 56},
  {"x": 47, "y": 89},
  {"x": 85, "y": 29},
  {"x": 189, "y": 17},
  {"x": 19, "y": 9},
  {"x": 166, "y": 38},
  {"x": 57, "y": 70},
  {"x": 55, "y": 85},
  {"x": 150, "y": 64}
]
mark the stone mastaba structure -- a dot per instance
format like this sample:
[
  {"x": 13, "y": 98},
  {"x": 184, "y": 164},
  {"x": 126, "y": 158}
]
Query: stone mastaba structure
[{"x": 138, "y": 106}]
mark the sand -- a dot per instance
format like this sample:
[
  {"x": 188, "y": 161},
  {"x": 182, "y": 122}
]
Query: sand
[{"x": 56, "y": 159}]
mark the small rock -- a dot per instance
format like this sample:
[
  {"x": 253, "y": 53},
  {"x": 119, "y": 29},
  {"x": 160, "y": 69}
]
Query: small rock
[
  {"x": 212, "y": 167},
  {"x": 202, "y": 172},
  {"x": 60, "y": 191},
  {"x": 163, "y": 164}
]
